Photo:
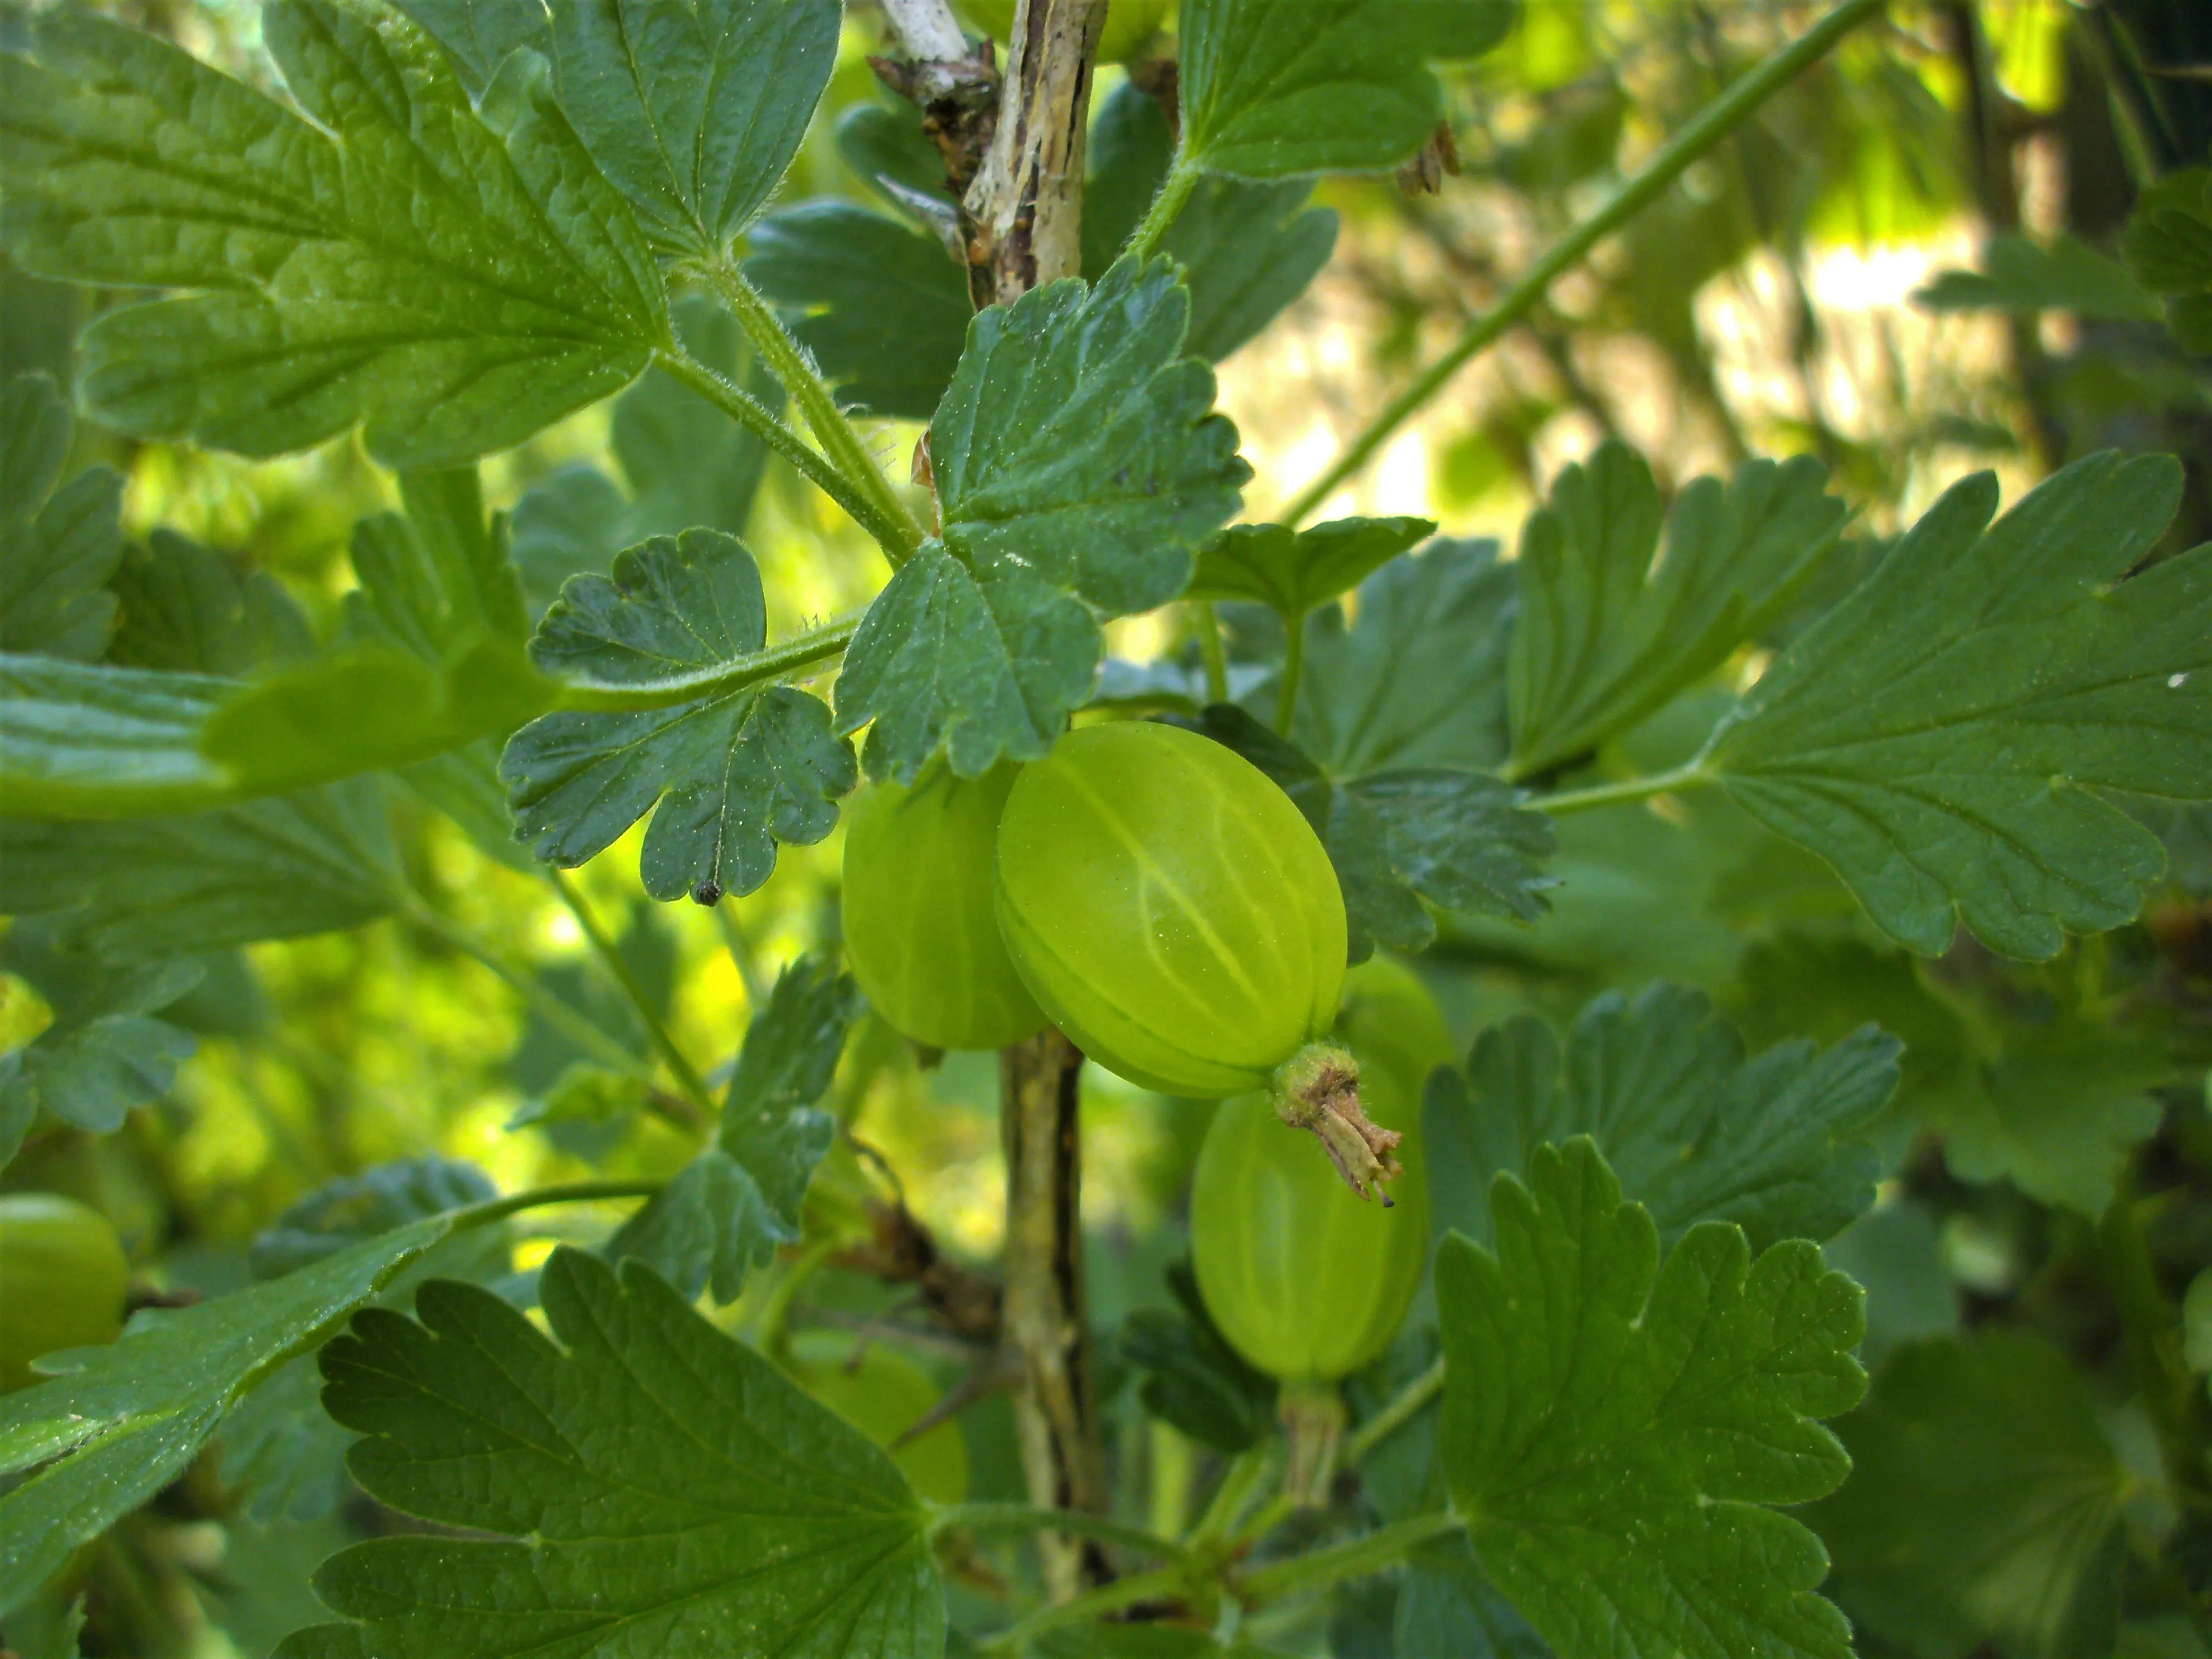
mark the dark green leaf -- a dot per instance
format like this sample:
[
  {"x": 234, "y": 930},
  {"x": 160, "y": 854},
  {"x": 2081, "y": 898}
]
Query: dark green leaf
[
  {"x": 1247, "y": 250},
  {"x": 1460, "y": 840},
  {"x": 1293, "y": 571},
  {"x": 188, "y": 609},
  {"x": 129, "y": 1418},
  {"x": 457, "y": 281},
  {"x": 693, "y": 110},
  {"x": 57, "y": 548},
  {"x": 103, "y": 1055},
  {"x": 1983, "y": 1505},
  {"x": 1615, "y": 1430},
  {"x": 1608, "y": 632},
  {"x": 337, "y": 1216},
  {"x": 2168, "y": 245},
  {"x": 890, "y": 150},
  {"x": 1078, "y": 468},
  {"x": 735, "y": 1202},
  {"x": 1449, "y": 1605},
  {"x": 659, "y": 1488},
  {"x": 883, "y": 309},
  {"x": 1193, "y": 1378},
  {"x": 1274, "y": 89},
  {"x": 1944, "y": 736},
  {"x": 1420, "y": 679},
  {"x": 735, "y": 770},
  {"x": 1696, "y": 1131},
  {"x": 141, "y": 888},
  {"x": 2026, "y": 276}
]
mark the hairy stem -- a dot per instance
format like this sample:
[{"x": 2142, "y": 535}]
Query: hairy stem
[
  {"x": 1627, "y": 790},
  {"x": 1021, "y": 1517},
  {"x": 1320, "y": 1569},
  {"x": 896, "y": 535},
  {"x": 610, "y": 956},
  {"x": 1714, "y": 124},
  {"x": 1167, "y": 207},
  {"x": 789, "y": 364}
]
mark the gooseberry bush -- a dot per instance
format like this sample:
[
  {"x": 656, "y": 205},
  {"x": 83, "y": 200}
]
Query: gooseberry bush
[{"x": 1534, "y": 1347}]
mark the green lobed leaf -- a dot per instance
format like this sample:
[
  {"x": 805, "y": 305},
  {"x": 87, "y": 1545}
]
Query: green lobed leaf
[
  {"x": 1077, "y": 467},
  {"x": 1406, "y": 839},
  {"x": 104, "y": 1436},
  {"x": 1694, "y": 1130},
  {"x": 1293, "y": 571},
  {"x": 142, "y": 889},
  {"x": 1610, "y": 630},
  {"x": 1419, "y": 680},
  {"x": 57, "y": 547},
  {"x": 1192, "y": 1378},
  {"x": 1449, "y": 1605},
  {"x": 734, "y": 770},
  {"x": 278, "y": 1445},
  {"x": 103, "y": 1054},
  {"x": 2023, "y": 275},
  {"x": 693, "y": 111},
  {"x": 1984, "y": 1506},
  {"x": 728, "y": 1209},
  {"x": 1615, "y": 1430},
  {"x": 1945, "y": 736},
  {"x": 657, "y": 1486},
  {"x": 456, "y": 280},
  {"x": 1276, "y": 89}
]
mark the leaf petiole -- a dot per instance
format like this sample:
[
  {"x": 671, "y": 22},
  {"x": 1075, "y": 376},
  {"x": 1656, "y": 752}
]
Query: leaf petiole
[
  {"x": 761, "y": 667},
  {"x": 1023, "y": 1518},
  {"x": 832, "y": 430},
  {"x": 1167, "y": 207},
  {"x": 610, "y": 954},
  {"x": 1395, "y": 1416},
  {"x": 1294, "y": 668},
  {"x": 1625, "y": 792},
  {"x": 1320, "y": 1569}
]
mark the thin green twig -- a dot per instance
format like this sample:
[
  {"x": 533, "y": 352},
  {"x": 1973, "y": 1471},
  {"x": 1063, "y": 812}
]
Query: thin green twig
[
  {"x": 563, "y": 1016},
  {"x": 1628, "y": 790},
  {"x": 1319, "y": 1570},
  {"x": 1713, "y": 124},
  {"x": 1092, "y": 1604},
  {"x": 679, "y": 1064},
  {"x": 572, "y": 1191},
  {"x": 1294, "y": 668},
  {"x": 839, "y": 441},
  {"x": 1211, "y": 648}
]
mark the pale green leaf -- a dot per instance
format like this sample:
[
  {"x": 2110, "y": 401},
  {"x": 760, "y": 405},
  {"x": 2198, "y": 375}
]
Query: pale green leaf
[
  {"x": 1293, "y": 571},
  {"x": 79, "y": 741},
  {"x": 1983, "y": 1505},
  {"x": 1078, "y": 466},
  {"x": 729, "y": 1208},
  {"x": 1611, "y": 629},
  {"x": 1615, "y": 1431},
  {"x": 1945, "y": 736},
  {"x": 141, "y": 888},
  {"x": 655, "y": 1486},
  {"x": 456, "y": 281},
  {"x": 57, "y": 547},
  {"x": 735, "y": 769},
  {"x": 2022, "y": 275},
  {"x": 694, "y": 110},
  {"x": 124, "y": 1421},
  {"x": 1695, "y": 1130},
  {"x": 1275, "y": 89}
]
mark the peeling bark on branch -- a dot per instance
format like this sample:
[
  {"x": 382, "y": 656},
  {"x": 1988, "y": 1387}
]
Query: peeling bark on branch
[
  {"x": 1027, "y": 202},
  {"x": 956, "y": 88}
]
